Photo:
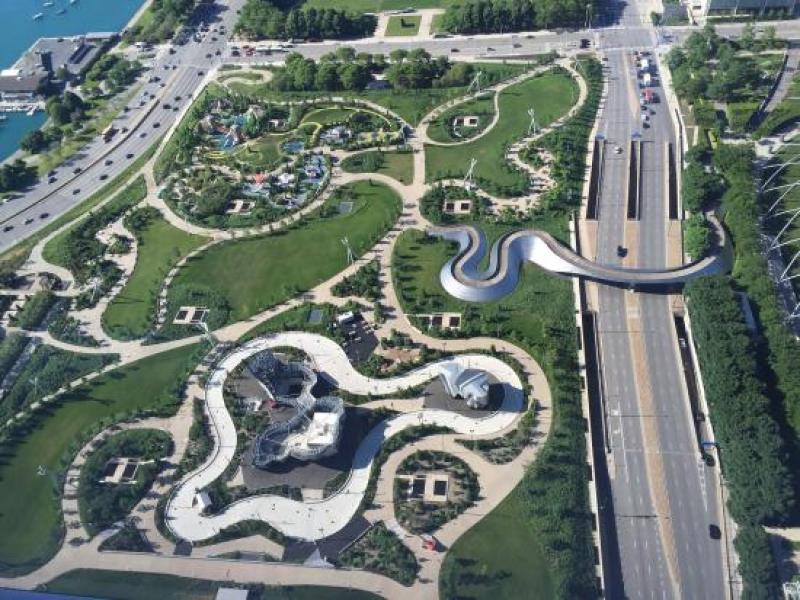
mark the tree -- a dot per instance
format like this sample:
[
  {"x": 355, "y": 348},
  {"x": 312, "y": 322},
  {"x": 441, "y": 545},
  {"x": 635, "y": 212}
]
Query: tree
[
  {"x": 756, "y": 564},
  {"x": 34, "y": 142}
]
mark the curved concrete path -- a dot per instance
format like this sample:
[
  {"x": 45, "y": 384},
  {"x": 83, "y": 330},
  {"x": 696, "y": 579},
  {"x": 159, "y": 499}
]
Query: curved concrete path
[{"x": 316, "y": 520}]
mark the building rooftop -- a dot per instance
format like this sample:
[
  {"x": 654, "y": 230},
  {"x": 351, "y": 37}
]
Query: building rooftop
[
  {"x": 73, "y": 53},
  {"x": 21, "y": 83}
]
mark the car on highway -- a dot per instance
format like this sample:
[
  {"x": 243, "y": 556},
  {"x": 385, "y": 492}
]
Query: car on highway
[
  {"x": 453, "y": 49},
  {"x": 76, "y": 170},
  {"x": 200, "y": 73},
  {"x": 51, "y": 180},
  {"x": 129, "y": 155},
  {"x": 143, "y": 134},
  {"x": 28, "y": 221},
  {"x": 177, "y": 98},
  {"x": 76, "y": 191},
  {"x": 156, "y": 125},
  {"x": 44, "y": 215},
  {"x": 167, "y": 106},
  {"x": 7, "y": 228},
  {"x": 108, "y": 162},
  {"x": 218, "y": 52},
  {"x": 208, "y": 55},
  {"x": 714, "y": 532},
  {"x": 618, "y": 150},
  {"x": 104, "y": 176}
]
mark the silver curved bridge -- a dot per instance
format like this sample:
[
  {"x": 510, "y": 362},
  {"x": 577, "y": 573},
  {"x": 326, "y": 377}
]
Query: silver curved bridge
[{"x": 461, "y": 276}]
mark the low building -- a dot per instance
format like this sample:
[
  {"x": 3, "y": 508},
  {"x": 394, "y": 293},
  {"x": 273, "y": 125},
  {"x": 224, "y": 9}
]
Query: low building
[
  {"x": 470, "y": 385},
  {"x": 744, "y": 7},
  {"x": 16, "y": 86}
]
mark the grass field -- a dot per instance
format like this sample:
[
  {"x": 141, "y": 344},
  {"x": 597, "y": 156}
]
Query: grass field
[
  {"x": 411, "y": 105},
  {"x": 552, "y": 95},
  {"x": 30, "y": 518},
  {"x": 126, "y": 585},
  {"x": 498, "y": 558},
  {"x": 264, "y": 152},
  {"x": 399, "y": 165},
  {"x": 440, "y": 128},
  {"x": 160, "y": 246},
  {"x": 260, "y": 272},
  {"x": 403, "y": 25},
  {"x": 416, "y": 264},
  {"x": 54, "y": 251}
]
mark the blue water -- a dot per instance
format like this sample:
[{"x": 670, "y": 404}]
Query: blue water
[{"x": 18, "y": 31}]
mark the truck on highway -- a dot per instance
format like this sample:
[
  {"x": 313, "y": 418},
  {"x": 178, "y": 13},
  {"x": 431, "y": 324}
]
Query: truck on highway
[{"x": 108, "y": 133}]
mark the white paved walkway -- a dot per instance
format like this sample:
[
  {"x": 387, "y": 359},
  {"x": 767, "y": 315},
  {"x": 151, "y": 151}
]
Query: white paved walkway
[{"x": 315, "y": 520}]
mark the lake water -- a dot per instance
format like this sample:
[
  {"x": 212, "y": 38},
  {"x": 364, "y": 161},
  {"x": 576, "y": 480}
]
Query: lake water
[{"x": 18, "y": 31}]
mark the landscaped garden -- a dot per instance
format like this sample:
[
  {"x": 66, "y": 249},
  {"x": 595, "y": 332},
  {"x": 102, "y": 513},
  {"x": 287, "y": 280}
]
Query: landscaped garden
[
  {"x": 464, "y": 121},
  {"x": 257, "y": 273},
  {"x": 423, "y": 510},
  {"x": 38, "y": 450},
  {"x": 551, "y": 94},
  {"x": 103, "y": 499},
  {"x": 160, "y": 246},
  {"x": 398, "y": 165},
  {"x": 381, "y": 551}
]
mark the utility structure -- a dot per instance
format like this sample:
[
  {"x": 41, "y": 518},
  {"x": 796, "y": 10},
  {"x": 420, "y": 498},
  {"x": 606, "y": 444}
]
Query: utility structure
[
  {"x": 533, "y": 128},
  {"x": 469, "y": 178},
  {"x": 349, "y": 250},
  {"x": 475, "y": 84}
]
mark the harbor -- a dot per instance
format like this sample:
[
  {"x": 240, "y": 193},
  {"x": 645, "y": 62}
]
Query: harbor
[{"x": 59, "y": 26}]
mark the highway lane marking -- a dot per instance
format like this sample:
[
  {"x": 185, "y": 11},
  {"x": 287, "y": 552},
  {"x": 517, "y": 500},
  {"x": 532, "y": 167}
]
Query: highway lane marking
[{"x": 654, "y": 467}]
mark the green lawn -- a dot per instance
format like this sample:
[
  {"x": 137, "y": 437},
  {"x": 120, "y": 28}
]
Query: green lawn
[
  {"x": 326, "y": 116},
  {"x": 498, "y": 558},
  {"x": 399, "y": 165},
  {"x": 126, "y": 585},
  {"x": 551, "y": 94},
  {"x": 416, "y": 264},
  {"x": 440, "y": 129},
  {"x": 160, "y": 246},
  {"x": 257, "y": 273},
  {"x": 403, "y": 25},
  {"x": 30, "y": 516},
  {"x": 411, "y": 105},
  {"x": 264, "y": 152}
]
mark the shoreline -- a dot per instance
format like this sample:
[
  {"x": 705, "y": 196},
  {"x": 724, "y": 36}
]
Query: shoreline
[
  {"x": 21, "y": 154},
  {"x": 136, "y": 16}
]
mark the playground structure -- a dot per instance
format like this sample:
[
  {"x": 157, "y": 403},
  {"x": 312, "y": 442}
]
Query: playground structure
[{"x": 313, "y": 430}]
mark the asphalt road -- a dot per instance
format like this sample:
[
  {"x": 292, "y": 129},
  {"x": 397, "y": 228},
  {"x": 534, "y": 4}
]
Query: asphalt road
[
  {"x": 687, "y": 486},
  {"x": 664, "y": 497}
]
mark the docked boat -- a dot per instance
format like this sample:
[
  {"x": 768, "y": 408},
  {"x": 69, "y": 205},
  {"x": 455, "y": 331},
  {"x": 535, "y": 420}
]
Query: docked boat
[
  {"x": 3, "y": 118},
  {"x": 61, "y": 11},
  {"x": 49, "y": 4},
  {"x": 38, "y": 16}
]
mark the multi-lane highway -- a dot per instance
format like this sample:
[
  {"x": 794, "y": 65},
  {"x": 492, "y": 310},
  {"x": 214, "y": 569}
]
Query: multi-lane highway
[{"x": 664, "y": 496}]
